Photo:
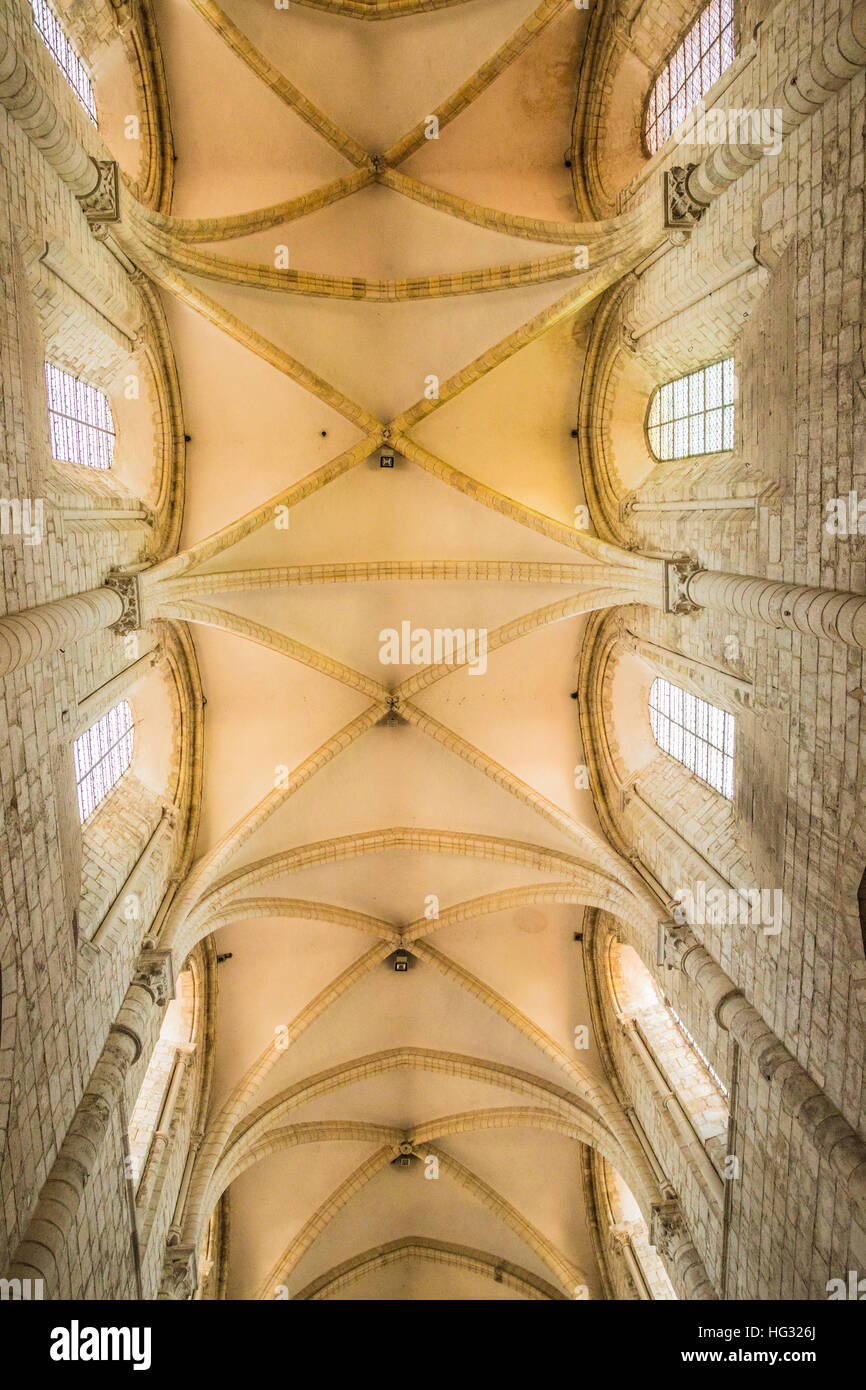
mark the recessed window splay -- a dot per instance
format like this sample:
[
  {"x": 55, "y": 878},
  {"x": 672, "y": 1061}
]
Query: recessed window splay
[
  {"x": 101, "y": 755},
  {"x": 690, "y": 72},
  {"x": 690, "y": 1040},
  {"x": 696, "y": 733}
]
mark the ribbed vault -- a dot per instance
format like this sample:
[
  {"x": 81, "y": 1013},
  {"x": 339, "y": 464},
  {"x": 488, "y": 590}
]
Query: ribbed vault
[{"x": 341, "y": 287}]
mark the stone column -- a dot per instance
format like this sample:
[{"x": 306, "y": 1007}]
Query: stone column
[
  {"x": 832, "y": 613},
  {"x": 37, "y": 632},
  {"x": 53, "y": 1224},
  {"x": 95, "y": 182},
  {"x": 24, "y": 99}
]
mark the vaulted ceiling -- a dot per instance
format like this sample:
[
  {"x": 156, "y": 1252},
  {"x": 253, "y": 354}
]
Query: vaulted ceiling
[{"x": 409, "y": 808}]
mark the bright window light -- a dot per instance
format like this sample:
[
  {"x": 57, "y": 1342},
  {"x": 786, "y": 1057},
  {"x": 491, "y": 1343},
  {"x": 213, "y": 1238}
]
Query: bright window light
[
  {"x": 694, "y": 414},
  {"x": 101, "y": 755},
  {"x": 696, "y": 733},
  {"x": 690, "y": 72},
  {"x": 64, "y": 55},
  {"x": 79, "y": 416}
]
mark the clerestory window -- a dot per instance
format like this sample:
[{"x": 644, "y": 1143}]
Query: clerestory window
[
  {"x": 80, "y": 420},
  {"x": 696, "y": 733},
  {"x": 694, "y": 414},
  {"x": 101, "y": 756},
  {"x": 692, "y": 69},
  {"x": 64, "y": 55}
]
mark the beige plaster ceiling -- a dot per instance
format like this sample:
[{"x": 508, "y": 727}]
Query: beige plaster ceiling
[{"x": 253, "y": 433}]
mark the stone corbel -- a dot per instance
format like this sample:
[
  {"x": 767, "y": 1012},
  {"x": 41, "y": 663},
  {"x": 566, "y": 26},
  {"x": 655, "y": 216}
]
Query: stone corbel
[
  {"x": 623, "y": 31},
  {"x": 678, "y": 572},
  {"x": 179, "y": 1275},
  {"x": 153, "y": 970},
  {"x": 681, "y": 210},
  {"x": 667, "y": 1228},
  {"x": 125, "y": 13},
  {"x": 629, "y": 337},
  {"x": 672, "y": 945},
  {"x": 102, "y": 203}
]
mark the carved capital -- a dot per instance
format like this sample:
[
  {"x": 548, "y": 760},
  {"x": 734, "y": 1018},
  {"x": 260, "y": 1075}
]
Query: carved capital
[
  {"x": 623, "y": 31},
  {"x": 667, "y": 1228},
  {"x": 102, "y": 204},
  {"x": 629, "y": 337},
  {"x": 620, "y": 1240},
  {"x": 179, "y": 1274},
  {"x": 128, "y": 587},
  {"x": 673, "y": 942},
  {"x": 681, "y": 210},
  {"x": 153, "y": 970},
  {"x": 678, "y": 572}
]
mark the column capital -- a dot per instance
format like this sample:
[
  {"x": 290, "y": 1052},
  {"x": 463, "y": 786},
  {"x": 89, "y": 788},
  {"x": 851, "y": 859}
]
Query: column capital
[
  {"x": 681, "y": 209},
  {"x": 667, "y": 1228},
  {"x": 179, "y": 1274},
  {"x": 128, "y": 587},
  {"x": 154, "y": 971},
  {"x": 674, "y": 941},
  {"x": 678, "y": 571},
  {"x": 102, "y": 203}
]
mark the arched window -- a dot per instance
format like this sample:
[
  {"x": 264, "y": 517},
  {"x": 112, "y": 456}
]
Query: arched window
[
  {"x": 690, "y": 72},
  {"x": 80, "y": 419},
  {"x": 694, "y": 414},
  {"x": 64, "y": 55},
  {"x": 102, "y": 754},
  {"x": 696, "y": 733}
]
